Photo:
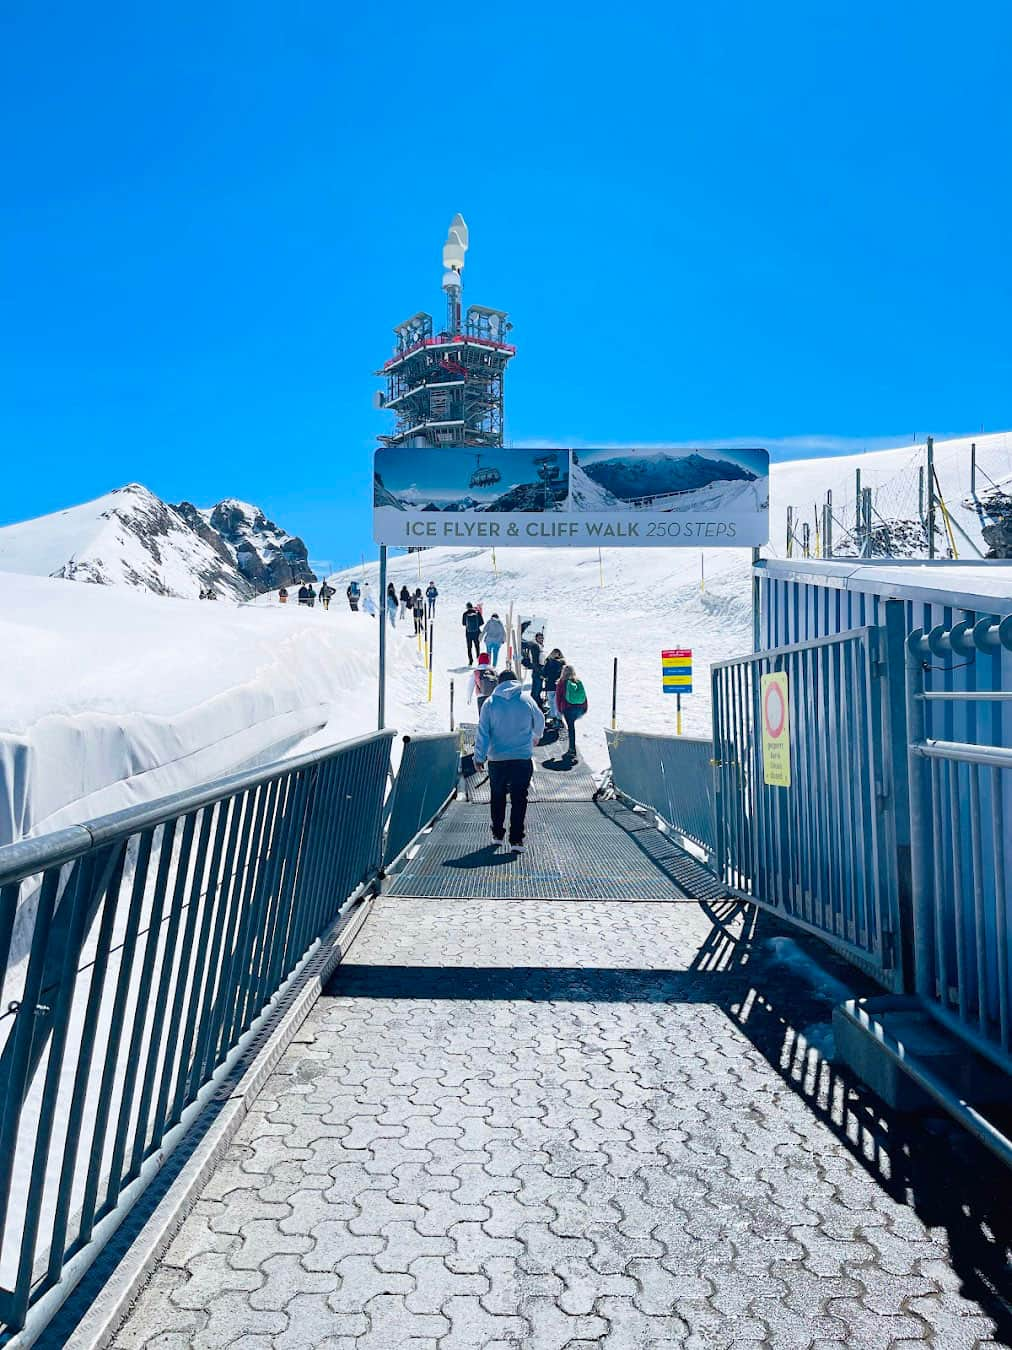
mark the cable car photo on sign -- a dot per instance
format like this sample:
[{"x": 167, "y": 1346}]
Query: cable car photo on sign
[{"x": 558, "y": 497}]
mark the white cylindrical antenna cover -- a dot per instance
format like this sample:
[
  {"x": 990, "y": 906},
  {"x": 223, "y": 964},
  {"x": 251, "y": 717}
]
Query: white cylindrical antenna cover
[
  {"x": 453, "y": 251},
  {"x": 451, "y": 281},
  {"x": 458, "y": 224}
]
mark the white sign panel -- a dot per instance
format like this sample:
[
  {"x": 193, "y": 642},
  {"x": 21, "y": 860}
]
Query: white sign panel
[{"x": 577, "y": 498}]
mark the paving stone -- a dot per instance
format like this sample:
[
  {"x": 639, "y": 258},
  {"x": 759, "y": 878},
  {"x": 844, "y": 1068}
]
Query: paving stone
[{"x": 588, "y": 1143}]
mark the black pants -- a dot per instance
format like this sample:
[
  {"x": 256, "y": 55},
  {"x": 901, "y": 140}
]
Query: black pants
[
  {"x": 473, "y": 647},
  {"x": 510, "y": 778},
  {"x": 570, "y": 717}
]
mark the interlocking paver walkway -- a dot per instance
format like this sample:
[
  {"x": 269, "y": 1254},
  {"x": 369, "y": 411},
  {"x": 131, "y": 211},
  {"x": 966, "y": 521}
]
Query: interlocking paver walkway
[{"x": 565, "y": 1126}]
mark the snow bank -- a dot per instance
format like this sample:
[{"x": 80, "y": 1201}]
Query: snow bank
[{"x": 110, "y": 696}]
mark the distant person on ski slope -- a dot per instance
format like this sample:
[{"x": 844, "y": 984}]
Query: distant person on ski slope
[
  {"x": 325, "y": 595},
  {"x": 570, "y": 704},
  {"x": 550, "y": 671},
  {"x": 392, "y": 604},
  {"x": 509, "y": 725},
  {"x": 483, "y": 682},
  {"x": 494, "y": 635},
  {"x": 536, "y": 650},
  {"x": 303, "y": 594},
  {"x": 405, "y": 601},
  {"x": 418, "y": 609},
  {"x": 353, "y": 594},
  {"x": 471, "y": 619},
  {"x": 431, "y": 595},
  {"x": 283, "y": 596},
  {"x": 368, "y": 603}
]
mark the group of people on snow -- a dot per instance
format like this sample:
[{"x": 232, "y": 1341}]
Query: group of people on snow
[
  {"x": 556, "y": 689},
  {"x": 411, "y": 603},
  {"x": 477, "y": 631},
  {"x": 306, "y": 595}
]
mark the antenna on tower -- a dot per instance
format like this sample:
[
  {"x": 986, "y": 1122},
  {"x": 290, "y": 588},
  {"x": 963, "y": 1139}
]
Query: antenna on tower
[{"x": 453, "y": 264}]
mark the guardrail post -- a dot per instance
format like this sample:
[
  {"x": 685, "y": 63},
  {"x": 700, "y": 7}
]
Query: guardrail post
[
  {"x": 897, "y": 779},
  {"x": 921, "y": 852}
]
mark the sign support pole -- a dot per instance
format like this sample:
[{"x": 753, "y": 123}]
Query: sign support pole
[
  {"x": 678, "y": 714},
  {"x": 614, "y": 692},
  {"x": 382, "y": 616},
  {"x": 452, "y": 727},
  {"x": 755, "y": 602},
  {"x": 432, "y": 644}
]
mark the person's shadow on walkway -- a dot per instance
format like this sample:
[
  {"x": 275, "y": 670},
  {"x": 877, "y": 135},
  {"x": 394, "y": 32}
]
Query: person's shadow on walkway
[{"x": 489, "y": 855}]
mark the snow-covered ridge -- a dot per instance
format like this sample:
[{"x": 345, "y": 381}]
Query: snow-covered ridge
[{"x": 131, "y": 537}]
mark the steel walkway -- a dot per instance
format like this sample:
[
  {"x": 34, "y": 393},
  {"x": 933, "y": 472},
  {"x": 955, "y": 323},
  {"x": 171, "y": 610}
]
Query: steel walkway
[{"x": 600, "y": 1124}]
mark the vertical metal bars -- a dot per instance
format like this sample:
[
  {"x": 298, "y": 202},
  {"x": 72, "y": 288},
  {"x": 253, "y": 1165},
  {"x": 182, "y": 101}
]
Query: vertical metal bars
[
  {"x": 822, "y": 852},
  {"x": 136, "y": 951}
]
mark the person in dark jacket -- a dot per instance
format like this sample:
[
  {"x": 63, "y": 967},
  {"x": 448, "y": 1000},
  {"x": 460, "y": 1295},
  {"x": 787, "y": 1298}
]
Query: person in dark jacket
[
  {"x": 473, "y": 624},
  {"x": 418, "y": 609},
  {"x": 325, "y": 595},
  {"x": 303, "y": 594},
  {"x": 405, "y": 598},
  {"x": 283, "y": 595},
  {"x": 536, "y": 649},
  {"x": 312, "y": 596},
  {"x": 353, "y": 594},
  {"x": 431, "y": 594},
  {"x": 550, "y": 673}
]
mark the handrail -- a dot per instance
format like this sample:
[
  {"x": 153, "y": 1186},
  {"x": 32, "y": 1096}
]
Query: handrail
[{"x": 20, "y": 859}]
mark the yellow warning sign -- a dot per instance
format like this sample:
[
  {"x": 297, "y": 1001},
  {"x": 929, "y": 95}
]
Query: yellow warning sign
[{"x": 776, "y": 730}]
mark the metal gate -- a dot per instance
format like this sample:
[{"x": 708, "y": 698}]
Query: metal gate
[{"x": 831, "y": 851}]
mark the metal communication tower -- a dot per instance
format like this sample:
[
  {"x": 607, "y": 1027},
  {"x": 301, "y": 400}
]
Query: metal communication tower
[{"x": 446, "y": 388}]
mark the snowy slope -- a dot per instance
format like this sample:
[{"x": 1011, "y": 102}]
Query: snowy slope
[
  {"x": 109, "y": 695},
  {"x": 128, "y": 537}
]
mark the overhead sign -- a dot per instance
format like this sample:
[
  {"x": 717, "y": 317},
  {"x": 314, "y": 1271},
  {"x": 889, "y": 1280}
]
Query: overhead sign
[
  {"x": 553, "y": 497},
  {"x": 676, "y": 671},
  {"x": 776, "y": 729}
]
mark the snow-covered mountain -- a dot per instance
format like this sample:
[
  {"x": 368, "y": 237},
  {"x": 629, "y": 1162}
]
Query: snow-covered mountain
[
  {"x": 627, "y": 476},
  {"x": 266, "y": 555},
  {"x": 130, "y": 537}
]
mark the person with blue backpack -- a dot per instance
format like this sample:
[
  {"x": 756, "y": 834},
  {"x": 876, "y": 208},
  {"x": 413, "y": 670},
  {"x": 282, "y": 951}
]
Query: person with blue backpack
[{"x": 570, "y": 704}]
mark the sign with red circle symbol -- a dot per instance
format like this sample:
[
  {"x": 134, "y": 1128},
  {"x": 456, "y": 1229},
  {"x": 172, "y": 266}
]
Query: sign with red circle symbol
[{"x": 776, "y": 733}]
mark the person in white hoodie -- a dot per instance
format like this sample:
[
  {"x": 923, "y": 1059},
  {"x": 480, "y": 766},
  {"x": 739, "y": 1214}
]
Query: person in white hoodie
[{"x": 508, "y": 728}]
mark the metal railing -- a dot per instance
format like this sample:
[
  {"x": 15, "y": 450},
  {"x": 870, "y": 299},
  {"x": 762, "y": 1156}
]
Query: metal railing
[
  {"x": 961, "y": 837},
  {"x": 426, "y": 780},
  {"x": 827, "y": 852},
  {"x": 136, "y": 953},
  {"x": 672, "y": 776}
]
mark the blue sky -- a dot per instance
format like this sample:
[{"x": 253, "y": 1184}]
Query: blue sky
[{"x": 783, "y": 224}]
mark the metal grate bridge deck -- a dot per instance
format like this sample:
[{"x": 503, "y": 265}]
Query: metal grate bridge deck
[{"x": 575, "y": 851}]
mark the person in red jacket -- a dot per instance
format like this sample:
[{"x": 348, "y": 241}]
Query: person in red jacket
[{"x": 570, "y": 704}]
